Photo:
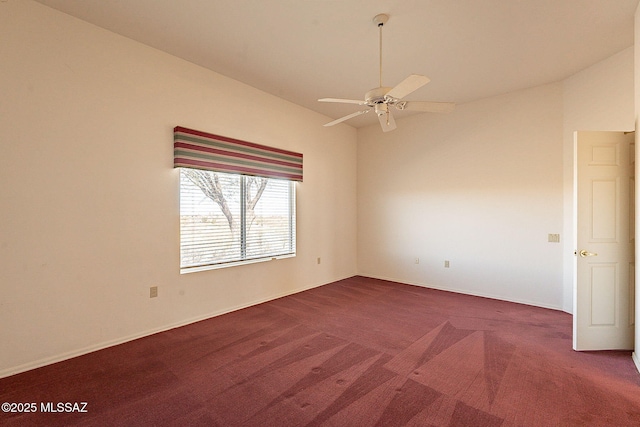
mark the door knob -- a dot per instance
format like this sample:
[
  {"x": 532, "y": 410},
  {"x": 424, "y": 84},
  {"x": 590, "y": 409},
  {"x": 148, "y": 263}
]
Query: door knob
[{"x": 584, "y": 253}]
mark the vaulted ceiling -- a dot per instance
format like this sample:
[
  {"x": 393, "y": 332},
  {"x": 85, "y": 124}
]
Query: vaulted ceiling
[{"x": 302, "y": 50}]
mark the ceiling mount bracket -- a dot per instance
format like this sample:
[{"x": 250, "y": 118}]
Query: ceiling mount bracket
[{"x": 381, "y": 19}]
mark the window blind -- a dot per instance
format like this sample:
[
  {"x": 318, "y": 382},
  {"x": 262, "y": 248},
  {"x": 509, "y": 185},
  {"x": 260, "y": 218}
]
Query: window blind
[{"x": 258, "y": 219}]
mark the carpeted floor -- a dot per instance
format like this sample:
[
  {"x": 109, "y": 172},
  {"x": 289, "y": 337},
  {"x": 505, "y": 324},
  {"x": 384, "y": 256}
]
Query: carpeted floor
[{"x": 358, "y": 352}]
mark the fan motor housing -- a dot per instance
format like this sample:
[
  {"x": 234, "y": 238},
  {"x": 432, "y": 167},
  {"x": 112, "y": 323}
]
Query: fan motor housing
[{"x": 376, "y": 96}]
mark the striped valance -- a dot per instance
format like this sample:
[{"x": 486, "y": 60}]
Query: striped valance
[{"x": 201, "y": 150}]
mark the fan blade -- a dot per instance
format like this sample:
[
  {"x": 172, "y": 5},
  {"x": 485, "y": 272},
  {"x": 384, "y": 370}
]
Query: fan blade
[
  {"x": 387, "y": 121},
  {"x": 343, "y": 101},
  {"x": 426, "y": 106},
  {"x": 408, "y": 85},
  {"x": 342, "y": 119}
]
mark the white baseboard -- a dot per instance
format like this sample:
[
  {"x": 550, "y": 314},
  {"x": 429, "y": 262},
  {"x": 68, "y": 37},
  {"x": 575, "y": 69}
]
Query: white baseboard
[
  {"x": 467, "y": 292},
  {"x": 100, "y": 346}
]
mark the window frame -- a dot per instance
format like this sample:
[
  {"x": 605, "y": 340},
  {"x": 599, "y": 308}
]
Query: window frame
[{"x": 243, "y": 260}]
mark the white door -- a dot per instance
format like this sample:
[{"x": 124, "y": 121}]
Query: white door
[{"x": 604, "y": 293}]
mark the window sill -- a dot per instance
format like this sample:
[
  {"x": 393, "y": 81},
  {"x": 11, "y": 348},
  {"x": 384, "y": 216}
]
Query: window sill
[{"x": 232, "y": 264}]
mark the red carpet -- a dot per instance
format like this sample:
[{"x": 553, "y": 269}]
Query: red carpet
[{"x": 358, "y": 352}]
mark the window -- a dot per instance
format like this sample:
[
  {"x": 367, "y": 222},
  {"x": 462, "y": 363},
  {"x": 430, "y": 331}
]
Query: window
[
  {"x": 227, "y": 218},
  {"x": 237, "y": 200}
]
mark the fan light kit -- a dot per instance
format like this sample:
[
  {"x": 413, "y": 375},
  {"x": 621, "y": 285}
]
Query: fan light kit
[{"x": 381, "y": 98}]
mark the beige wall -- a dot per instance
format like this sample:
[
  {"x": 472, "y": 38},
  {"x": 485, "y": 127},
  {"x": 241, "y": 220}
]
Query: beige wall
[
  {"x": 481, "y": 188},
  {"x": 636, "y": 353},
  {"x": 484, "y": 186},
  {"x": 90, "y": 199}
]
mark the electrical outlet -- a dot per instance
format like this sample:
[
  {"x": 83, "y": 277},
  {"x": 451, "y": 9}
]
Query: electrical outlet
[
  {"x": 319, "y": 260},
  {"x": 417, "y": 260},
  {"x": 153, "y": 292},
  {"x": 446, "y": 264},
  {"x": 554, "y": 238}
]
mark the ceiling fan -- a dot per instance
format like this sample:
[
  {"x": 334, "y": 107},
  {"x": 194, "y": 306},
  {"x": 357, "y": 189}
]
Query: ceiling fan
[{"x": 382, "y": 98}]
